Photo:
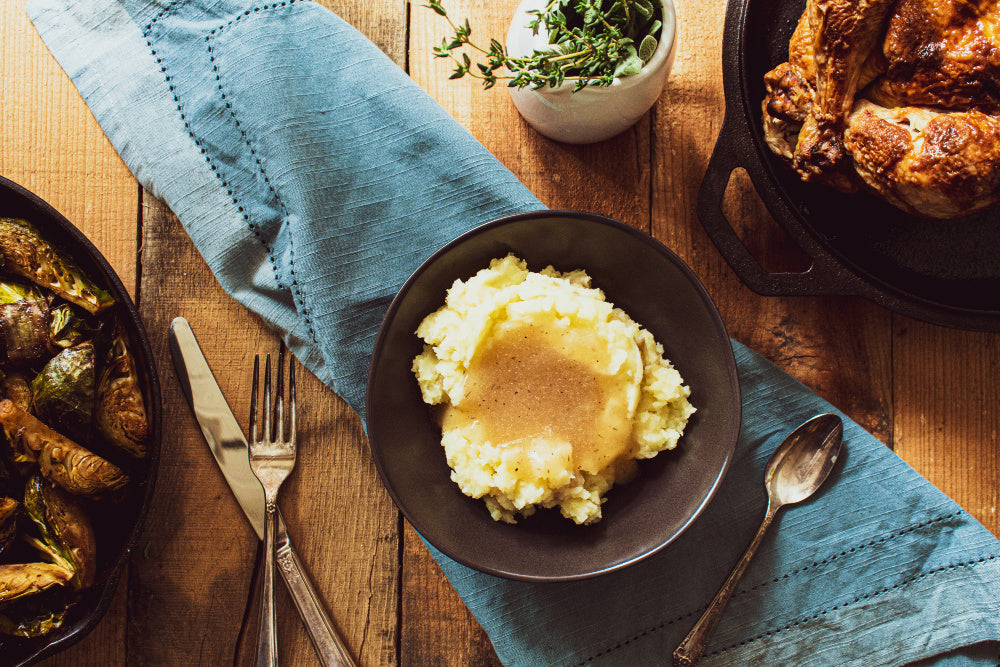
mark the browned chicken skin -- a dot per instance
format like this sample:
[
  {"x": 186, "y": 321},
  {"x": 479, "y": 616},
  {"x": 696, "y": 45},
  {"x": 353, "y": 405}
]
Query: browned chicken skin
[
  {"x": 843, "y": 34},
  {"x": 926, "y": 162},
  {"x": 944, "y": 53},
  {"x": 897, "y": 96}
]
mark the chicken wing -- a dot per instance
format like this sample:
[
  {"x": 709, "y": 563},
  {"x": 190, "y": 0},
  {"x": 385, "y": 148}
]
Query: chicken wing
[{"x": 844, "y": 34}]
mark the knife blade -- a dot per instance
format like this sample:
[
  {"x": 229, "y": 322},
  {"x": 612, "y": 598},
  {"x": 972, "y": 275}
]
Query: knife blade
[
  {"x": 229, "y": 447},
  {"x": 221, "y": 430}
]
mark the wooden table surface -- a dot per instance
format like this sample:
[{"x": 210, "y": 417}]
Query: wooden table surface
[{"x": 928, "y": 392}]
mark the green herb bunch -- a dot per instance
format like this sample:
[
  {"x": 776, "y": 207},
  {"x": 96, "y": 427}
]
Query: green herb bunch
[{"x": 590, "y": 43}]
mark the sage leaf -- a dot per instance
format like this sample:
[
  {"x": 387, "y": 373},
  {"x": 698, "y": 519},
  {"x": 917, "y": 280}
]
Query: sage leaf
[
  {"x": 647, "y": 48},
  {"x": 630, "y": 65},
  {"x": 644, "y": 7}
]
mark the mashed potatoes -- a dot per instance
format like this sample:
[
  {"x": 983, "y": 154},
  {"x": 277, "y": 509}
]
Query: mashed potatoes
[{"x": 547, "y": 392}]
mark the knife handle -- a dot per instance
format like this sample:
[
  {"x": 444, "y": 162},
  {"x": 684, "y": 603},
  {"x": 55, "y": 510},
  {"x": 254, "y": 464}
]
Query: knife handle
[{"x": 328, "y": 644}]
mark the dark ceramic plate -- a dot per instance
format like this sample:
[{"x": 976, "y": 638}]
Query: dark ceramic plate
[
  {"x": 117, "y": 528},
  {"x": 661, "y": 293}
]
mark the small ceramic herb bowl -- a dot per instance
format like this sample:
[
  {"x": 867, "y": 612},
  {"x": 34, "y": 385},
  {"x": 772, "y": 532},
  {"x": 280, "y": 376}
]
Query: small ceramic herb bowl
[{"x": 594, "y": 113}]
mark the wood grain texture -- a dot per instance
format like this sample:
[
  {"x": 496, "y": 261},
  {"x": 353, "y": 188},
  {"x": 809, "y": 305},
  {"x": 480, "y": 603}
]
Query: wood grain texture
[
  {"x": 190, "y": 583},
  {"x": 382, "y": 21},
  {"x": 928, "y": 392},
  {"x": 187, "y": 599},
  {"x": 947, "y": 397},
  {"x": 52, "y": 145}
]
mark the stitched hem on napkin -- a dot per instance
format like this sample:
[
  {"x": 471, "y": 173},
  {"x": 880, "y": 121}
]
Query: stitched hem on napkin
[{"x": 312, "y": 180}]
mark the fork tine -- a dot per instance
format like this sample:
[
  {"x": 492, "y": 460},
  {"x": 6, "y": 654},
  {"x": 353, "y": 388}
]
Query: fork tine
[
  {"x": 272, "y": 459},
  {"x": 253, "y": 399},
  {"x": 267, "y": 437},
  {"x": 279, "y": 405}
]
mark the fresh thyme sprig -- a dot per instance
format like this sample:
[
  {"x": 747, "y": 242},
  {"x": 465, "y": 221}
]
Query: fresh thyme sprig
[{"x": 589, "y": 44}]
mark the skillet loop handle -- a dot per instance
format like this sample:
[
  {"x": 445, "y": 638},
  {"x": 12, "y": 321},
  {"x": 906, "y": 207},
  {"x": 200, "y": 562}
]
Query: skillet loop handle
[{"x": 733, "y": 149}]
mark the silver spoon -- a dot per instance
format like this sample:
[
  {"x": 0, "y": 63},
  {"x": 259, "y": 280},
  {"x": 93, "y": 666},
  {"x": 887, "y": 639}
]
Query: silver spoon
[{"x": 798, "y": 467}]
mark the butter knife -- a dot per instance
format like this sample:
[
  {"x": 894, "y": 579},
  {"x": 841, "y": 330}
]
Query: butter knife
[{"x": 228, "y": 445}]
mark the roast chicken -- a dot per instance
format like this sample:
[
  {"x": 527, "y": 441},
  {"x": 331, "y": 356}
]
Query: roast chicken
[{"x": 900, "y": 97}]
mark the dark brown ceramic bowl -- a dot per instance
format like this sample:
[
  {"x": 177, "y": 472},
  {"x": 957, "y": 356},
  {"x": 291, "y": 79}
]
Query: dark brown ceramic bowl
[
  {"x": 661, "y": 293},
  {"x": 118, "y": 526}
]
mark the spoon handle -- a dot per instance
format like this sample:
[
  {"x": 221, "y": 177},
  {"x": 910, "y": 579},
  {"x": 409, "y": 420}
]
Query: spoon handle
[{"x": 690, "y": 650}]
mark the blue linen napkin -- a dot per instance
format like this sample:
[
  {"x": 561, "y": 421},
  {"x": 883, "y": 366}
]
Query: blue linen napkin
[{"x": 313, "y": 175}]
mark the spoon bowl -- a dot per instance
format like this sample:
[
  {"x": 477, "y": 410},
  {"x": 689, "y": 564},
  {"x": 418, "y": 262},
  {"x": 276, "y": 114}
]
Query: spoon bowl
[
  {"x": 795, "y": 471},
  {"x": 803, "y": 460}
]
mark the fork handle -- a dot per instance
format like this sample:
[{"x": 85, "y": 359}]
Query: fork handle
[
  {"x": 267, "y": 639},
  {"x": 329, "y": 646}
]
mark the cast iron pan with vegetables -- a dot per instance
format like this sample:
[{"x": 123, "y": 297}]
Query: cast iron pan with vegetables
[{"x": 79, "y": 429}]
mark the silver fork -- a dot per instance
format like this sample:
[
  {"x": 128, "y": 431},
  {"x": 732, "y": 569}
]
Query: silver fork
[{"x": 272, "y": 458}]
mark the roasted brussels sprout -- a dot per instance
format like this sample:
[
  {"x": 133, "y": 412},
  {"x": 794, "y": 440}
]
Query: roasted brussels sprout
[
  {"x": 24, "y": 324},
  {"x": 25, "y": 253},
  {"x": 8, "y": 522},
  {"x": 12, "y": 291},
  {"x": 63, "y": 392},
  {"x": 10, "y": 481},
  {"x": 45, "y": 621},
  {"x": 120, "y": 411},
  {"x": 18, "y": 580},
  {"x": 71, "y": 466},
  {"x": 67, "y": 536},
  {"x": 68, "y": 382},
  {"x": 17, "y": 388},
  {"x": 69, "y": 327}
]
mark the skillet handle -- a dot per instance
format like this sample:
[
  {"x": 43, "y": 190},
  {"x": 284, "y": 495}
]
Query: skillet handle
[{"x": 734, "y": 148}]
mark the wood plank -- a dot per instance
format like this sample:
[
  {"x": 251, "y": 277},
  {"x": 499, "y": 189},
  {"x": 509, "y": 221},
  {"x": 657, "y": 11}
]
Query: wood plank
[
  {"x": 609, "y": 178},
  {"x": 437, "y": 626},
  {"x": 355, "y": 573},
  {"x": 947, "y": 418},
  {"x": 188, "y": 599},
  {"x": 340, "y": 518},
  {"x": 345, "y": 527},
  {"x": 52, "y": 145},
  {"x": 382, "y": 21}
]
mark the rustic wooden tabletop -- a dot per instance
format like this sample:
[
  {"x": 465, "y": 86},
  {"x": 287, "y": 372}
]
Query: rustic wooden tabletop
[{"x": 928, "y": 392}]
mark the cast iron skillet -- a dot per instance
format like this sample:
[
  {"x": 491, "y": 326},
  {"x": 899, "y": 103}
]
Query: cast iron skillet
[
  {"x": 117, "y": 529},
  {"x": 944, "y": 272}
]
